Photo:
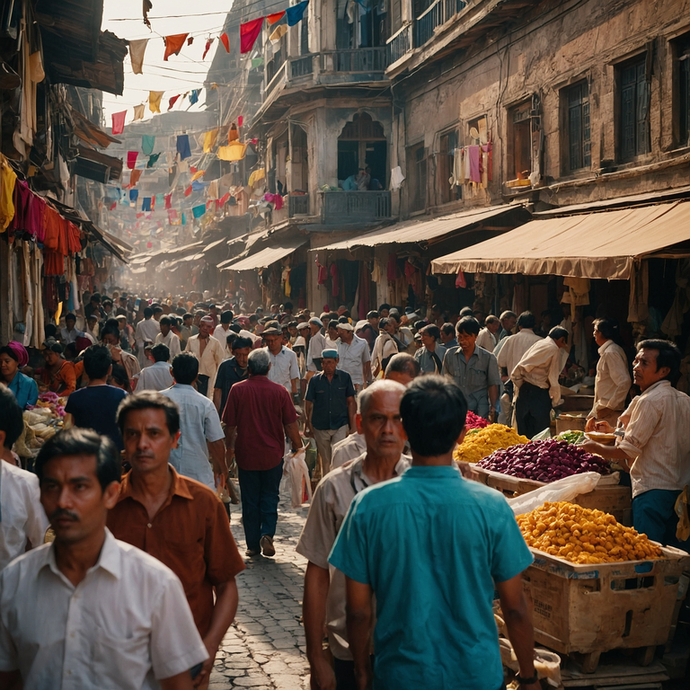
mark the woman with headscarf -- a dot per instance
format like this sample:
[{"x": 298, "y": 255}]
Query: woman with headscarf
[
  {"x": 12, "y": 357},
  {"x": 58, "y": 374}
]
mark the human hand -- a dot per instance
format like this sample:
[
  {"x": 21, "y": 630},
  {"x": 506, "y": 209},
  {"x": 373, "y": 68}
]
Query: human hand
[
  {"x": 604, "y": 427},
  {"x": 207, "y": 666},
  {"x": 531, "y": 686},
  {"x": 322, "y": 675},
  {"x": 591, "y": 424}
]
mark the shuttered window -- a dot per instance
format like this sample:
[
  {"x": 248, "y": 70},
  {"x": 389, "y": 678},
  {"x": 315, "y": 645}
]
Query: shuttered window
[
  {"x": 634, "y": 110},
  {"x": 579, "y": 146}
]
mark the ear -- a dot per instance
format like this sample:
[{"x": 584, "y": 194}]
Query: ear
[
  {"x": 358, "y": 422},
  {"x": 176, "y": 439},
  {"x": 664, "y": 371},
  {"x": 3, "y": 436},
  {"x": 463, "y": 433},
  {"x": 111, "y": 494}
]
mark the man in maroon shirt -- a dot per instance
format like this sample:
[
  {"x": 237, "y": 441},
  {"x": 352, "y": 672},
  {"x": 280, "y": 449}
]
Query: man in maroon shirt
[{"x": 257, "y": 416}]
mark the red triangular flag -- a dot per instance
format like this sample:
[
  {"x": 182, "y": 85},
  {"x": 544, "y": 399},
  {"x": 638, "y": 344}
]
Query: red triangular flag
[
  {"x": 249, "y": 32},
  {"x": 119, "y": 122},
  {"x": 173, "y": 45},
  {"x": 275, "y": 17},
  {"x": 132, "y": 159},
  {"x": 207, "y": 48},
  {"x": 240, "y": 120},
  {"x": 192, "y": 169},
  {"x": 188, "y": 191},
  {"x": 173, "y": 100},
  {"x": 168, "y": 200},
  {"x": 113, "y": 205},
  {"x": 225, "y": 41}
]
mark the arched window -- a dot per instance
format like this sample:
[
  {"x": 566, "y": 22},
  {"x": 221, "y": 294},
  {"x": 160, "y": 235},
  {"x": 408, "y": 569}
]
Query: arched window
[{"x": 362, "y": 144}]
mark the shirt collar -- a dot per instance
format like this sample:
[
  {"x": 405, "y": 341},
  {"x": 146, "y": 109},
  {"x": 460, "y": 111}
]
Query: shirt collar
[
  {"x": 658, "y": 384},
  {"x": 433, "y": 471},
  {"x": 605, "y": 346},
  {"x": 109, "y": 558},
  {"x": 177, "y": 487}
]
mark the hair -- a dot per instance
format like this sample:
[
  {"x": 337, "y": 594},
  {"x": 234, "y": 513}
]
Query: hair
[
  {"x": 608, "y": 328},
  {"x": 160, "y": 352},
  {"x": 491, "y": 318},
  {"x": 468, "y": 325},
  {"x": 96, "y": 296},
  {"x": 7, "y": 350},
  {"x": 558, "y": 332},
  {"x": 166, "y": 321},
  {"x": 11, "y": 420},
  {"x": 76, "y": 441},
  {"x": 668, "y": 355},
  {"x": 433, "y": 412},
  {"x": 70, "y": 348},
  {"x": 448, "y": 329},
  {"x": 156, "y": 308},
  {"x": 508, "y": 315},
  {"x": 239, "y": 342},
  {"x": 119, "y": 374},
  {"x": 383, "y": 385},
  {"x": 343, "y": 319},
  {"x": 384, "y": 321},
  {"x": 54, "y": 347},
  {"x": 187, "y": 315},
  {"x": 258, "y": 363},
  {"x": 384, "y": 306},
  {"x": 50, "y": 330},
  {"x": 147, "y": 400},
  {"x": 288, "y": 305},
  {"x": 148, "y": 312},
  {"x": 466, "y": 311},
  {"x": 372, "y": 314},
  {"x": 70, "y": 316},
  {"x": 526, "y": 320},
  {"x": 227, "y": 316},
  {"x": 185, "y": 368},
  {"x": 394, "y": 316},
  {"x": 97, "y": 361},
  {"x": 431, "y": 330},
  {"x": 403, "y": 363}
]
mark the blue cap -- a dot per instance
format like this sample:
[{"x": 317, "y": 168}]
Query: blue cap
[{"x": 331, "y": 353}]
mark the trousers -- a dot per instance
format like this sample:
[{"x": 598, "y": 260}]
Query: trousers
[
  {"x": 325, "y": 440},
  {"x": 532, "y": 410},
  {"x": 260, "y": 495},
  {"x": 654, "y": 515}
]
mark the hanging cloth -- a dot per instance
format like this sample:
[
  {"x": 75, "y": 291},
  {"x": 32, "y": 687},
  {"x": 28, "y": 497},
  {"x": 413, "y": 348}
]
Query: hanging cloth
[
  {"x": 155, "y": 101},
  {"x": 134, "y": 177},
  {"x": 146, "y": 204},
  {"x": 199, "y": 211},
  {"x": 136, "y": 54},
  {"x": 133, "y": 195},
  {"x": 194, "y": 96},
  {"x": 172, "y": 101},
  {"x": 335, "y": 282},
  {"x": 153, "y": 159},
  {"x": 225, "y": 41},
  {"x": 183, "y": 146},
  {"x": 249, "y": 32},
  {"x": 132, "y": 159},
  {"x": 8, "y": 179},
  {"x": 147, "y": 143},
  {"x": 233, "y": 134},
  {"x": 295, "y": 13},
  {"x": 278, "y": 33},
  {"x": 119, "y": 122},
  {"x": 173, "y": 45},
  {"x": 392, "y": 269},
  {"x": 474, "y": 156},
  {"x": 210, "y": 139},
  {"x": 209, "y": 41},
  {"x": 139, "y": 112},
  {"x": 275, "y": 17},
  {"x": 232, "y": 152}
]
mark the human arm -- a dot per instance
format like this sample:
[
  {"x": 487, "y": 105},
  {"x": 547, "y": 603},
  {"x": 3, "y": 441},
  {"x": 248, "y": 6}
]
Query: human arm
[
  {"x": 316, "y": 585},
  {"x": 217, "y": 394},
  {"x": 69, "y": 379},
  {"x": 292, "y": 431},
  {"x": 294, "y": 374},
  {"x": 216, "y": 451},
  {"x": 308, "y": 409},
  {"x": 367, "y": 372},
  {"x": 182, "y": 681},
  {"x": 68, "y": 421},
  {"x": 359, "y": 615},
  {"x": 518, "y": 618},
  {"x": 609, "y": 453},
  {"x": 351, "y": 412},
  {"x": 493, "y": 398}
]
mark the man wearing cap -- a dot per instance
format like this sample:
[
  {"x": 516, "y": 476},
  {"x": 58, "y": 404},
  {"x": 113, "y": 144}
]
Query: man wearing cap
[
  {"x": 317, "y": 344},
  {"x": 354, "y": 355},
  {"x": 329, "y": 407},
  {"x": 284, "y": 367},
  {"x": 210, "y": 354}
]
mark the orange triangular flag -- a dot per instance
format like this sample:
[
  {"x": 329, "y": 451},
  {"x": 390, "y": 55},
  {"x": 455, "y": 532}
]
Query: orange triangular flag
[
  {"x": 173, "y": 44},
  {"x": 225, "y": 41},
  {"x": 275, "y": 17}
]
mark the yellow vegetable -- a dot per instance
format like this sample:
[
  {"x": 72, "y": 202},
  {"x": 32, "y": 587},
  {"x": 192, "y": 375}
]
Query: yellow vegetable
[
  {"x": 483, "y": 442},
  {"x": 599, "y": 538}
]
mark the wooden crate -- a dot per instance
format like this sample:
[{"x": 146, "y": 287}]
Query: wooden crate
[{"x": 591, "y": 609}]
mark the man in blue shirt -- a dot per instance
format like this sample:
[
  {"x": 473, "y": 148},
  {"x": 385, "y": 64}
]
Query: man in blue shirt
[
  {"x": 432, "y": 547},
  {"x": 330, "y": 407}
]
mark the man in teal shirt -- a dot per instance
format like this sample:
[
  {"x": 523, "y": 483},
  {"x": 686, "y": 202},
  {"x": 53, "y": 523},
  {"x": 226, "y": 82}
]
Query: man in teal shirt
[{"x": 432, "y": 547}]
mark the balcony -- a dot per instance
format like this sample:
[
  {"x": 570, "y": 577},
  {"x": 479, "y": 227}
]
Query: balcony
[
  {"x": 355, "y": 207},
  {"x": 298, "y": 205},
  {"x": 438, "y": 14}
]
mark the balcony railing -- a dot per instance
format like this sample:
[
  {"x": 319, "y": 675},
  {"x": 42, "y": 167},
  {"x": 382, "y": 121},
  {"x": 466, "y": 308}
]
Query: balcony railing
[
  {"x": 298, "y": 205},
  {"x": 360, "y": 60},
  {"x": 302, "y": 66},
  {"x": 355, "y": 207},
  {"x": 439, "y": 13},
  {"x": 399, "y": 44}
]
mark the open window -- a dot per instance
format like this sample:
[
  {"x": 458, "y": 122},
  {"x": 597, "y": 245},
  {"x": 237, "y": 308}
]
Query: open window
[
  {"x": 633, "y": 79},
  {"x": 447, "y": 144},
  {"x": 524, "y": 151},
  {"x": 362, "y": 144}
]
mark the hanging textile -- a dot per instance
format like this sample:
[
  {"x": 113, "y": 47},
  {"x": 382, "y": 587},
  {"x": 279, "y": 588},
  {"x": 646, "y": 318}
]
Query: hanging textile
[
  {"x": 133, "y": 195},
  {"x": 188, "y": 191},
  {"x": 139, "y": 112},
  {"x": 232, "y": 152},
  {"x": 249, "y": 32},
  {"x": 335, "y": 283},
  {"x": 296, "y": 12},
  {"x": 194, "y": 96},
  {"x": 210, "y": 140},
  {"x": 198, "y": 211},
  {"x": 147, "y": 143},
  {"x": 132, "y": 159},
  {"x": 233, "y": 134},
  {"x": 209, "y": 41},
  {"x": 134, "y": 177},
  {"x": 8, "y": 179},
  {"x": 256, "y": 177},
  {"x": 225, "y": 41},
  {"x": 392, "y": 269},
  {"x": 119, "y": 122},
  {"x": 155, "y": 101},
  {"x": 278, "y": 33},
  {"x": 172, "y": 101},
  {"x": 136, "y": 54},
  {"x": 275, "y": 17},
  {"x": 168, "y": 200},
  {"x": 183, "y": 146},
  {"x": 173, "y": 45},
  {"x": 153, "y": 159},
  {"x": 159, "y": 199},
  {"x": 146, "y": 204}
]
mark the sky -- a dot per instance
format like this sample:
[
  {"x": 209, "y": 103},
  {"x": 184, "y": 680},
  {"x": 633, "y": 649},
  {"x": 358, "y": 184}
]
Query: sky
[{"x": 180, "y": 73}]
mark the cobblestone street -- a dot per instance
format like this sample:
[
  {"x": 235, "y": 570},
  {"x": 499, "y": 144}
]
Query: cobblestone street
[{"x": 265, "y": 646}]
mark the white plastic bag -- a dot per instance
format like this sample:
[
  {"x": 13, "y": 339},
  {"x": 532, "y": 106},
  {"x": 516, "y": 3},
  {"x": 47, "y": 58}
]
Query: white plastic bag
[
  {"x": 565, "y": 489},
  {"x": 297, "y": 473}
]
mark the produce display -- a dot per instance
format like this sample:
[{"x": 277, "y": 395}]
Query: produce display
[
  {"x": 41, "y": 421},
  {"x": 474, "y": 421},
  {"x": 544, "y": 461},
  {"x": 571, "y": 436},
  {"x": 482, "y": 442},
  {"x": 581, "y": 535}
]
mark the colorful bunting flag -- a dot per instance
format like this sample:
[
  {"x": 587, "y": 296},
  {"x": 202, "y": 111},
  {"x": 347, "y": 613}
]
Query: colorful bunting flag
[
  {"x": 194, "y": 96},
  {"x": 155, "y": 101},
  {"x": 249, "y": 32},
  {"x": 139, "y": 112},
  {"x": 174, "y": 44},
  {"x": 240, "y": 120},
  {"x": 233, "y": 134},
  {"x": 209, "y": 41},
  {"x": 184, "y": 219},
  {"x": 183, "y": 146},
  {"x": 133, "y": 195},
  {"x": 119, "y": 122},
  {"x": 188, "y": 191},
  {"x": 147, "y": 143},
  {"x": 224, "y": 199},
  {"x": 210, "y": 140},
  {"x": 168, "y": 200},
  {"x": 199, "y": 211},
  {"x": 275, "y": 17},
  {"x": 153, "y": 159},
  {"x": 172, "y": 101},
  {"x": 278, "y": 33},
  {"x": 146, "y": 204},
  {"x": 134, "y": 177},
  {"x": 132, "y": 159},
  {"x": 234, "y": 151},
  {"x": 190, "y": 40},
  {"x": 136, "y": 54},
  {"x": 295, "y": 13},
  {"x": 225, "y": 41}
]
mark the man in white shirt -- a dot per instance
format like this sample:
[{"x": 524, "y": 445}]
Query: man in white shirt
[
  {"x": 284, "y": 366},
  {"x": 385, "y": 346},
  {"x": 210, "y": 354},
  {"x": 168, "y": 338},
  {"x": 146, "y": 331},
  {"x": 23, "y": 523},
  {"x": 354, "y": 355},
  {"x": 535, "y": 378},
  {"x": 70, "y": 333},
  {"x": 488, "y": 336},
  {"x": 156, "y": 377},
  {"x": 655, "y": 447},
  {"x": 222, "y": 330},
  {"x": 88, "y": 610},
  {"x": 317, "y": 344}
]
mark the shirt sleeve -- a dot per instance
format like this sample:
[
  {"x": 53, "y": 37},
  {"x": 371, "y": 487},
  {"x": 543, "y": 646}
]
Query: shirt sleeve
[
  {"x": 229, "y": 416},
  {"x": 493, "y": 376},
  {"x": 349, "y": 386},
  {"x": 554, "y": 371},
  {"x": 32, "y": 396},
  {"x": 175, "y": 642},
  {"x": 223, "y": 560},
  {"x": 510, "y": 553},
  {"x": 366, "y": 356},
  {"x": 212, "y": 428},
  {"x": 349, "y": 551},
  {"x": 311, "y": 390},
  {"x": 643, "y": 422},
  {"x": 36, "y": 520},
  {"x": 9, "y": 659},
  {"x": 289, "y": 412},
  {"x": 294, "y": 367},
  {"x": 319, "y": 531},
  {"x": 220, "y": 376}
]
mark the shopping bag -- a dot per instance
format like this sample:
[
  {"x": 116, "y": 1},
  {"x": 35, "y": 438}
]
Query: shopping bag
[
  {"x": 296, "y": 470},
  {"x": 565, "y": 489}
]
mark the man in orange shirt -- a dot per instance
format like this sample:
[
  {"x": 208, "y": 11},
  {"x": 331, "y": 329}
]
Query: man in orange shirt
[{"x": 176, "y": 519}]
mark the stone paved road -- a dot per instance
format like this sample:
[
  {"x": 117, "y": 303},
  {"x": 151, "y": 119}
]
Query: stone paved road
[{"x": 265, "y": 646}]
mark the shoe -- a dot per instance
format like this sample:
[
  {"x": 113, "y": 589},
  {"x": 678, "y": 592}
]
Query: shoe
[
  {"x": 252, "y": 552},
  {"x": 267, "y": 546}
]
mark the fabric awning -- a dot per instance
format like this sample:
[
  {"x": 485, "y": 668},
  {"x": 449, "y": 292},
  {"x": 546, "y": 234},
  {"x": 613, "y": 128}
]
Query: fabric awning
[
  {"x": 594, "y": 245},
  {"x": 425, "y": 230},
  {"x": 267, "y": 256}
]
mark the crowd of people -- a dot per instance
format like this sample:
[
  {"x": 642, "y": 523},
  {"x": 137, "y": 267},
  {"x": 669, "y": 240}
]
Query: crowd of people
[{"x": 166, "y": 402}]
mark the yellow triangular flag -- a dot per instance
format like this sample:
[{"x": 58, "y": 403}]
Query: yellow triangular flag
[
  {"x": 155, "y": 101},
  {"x": 210, "y": 140}
]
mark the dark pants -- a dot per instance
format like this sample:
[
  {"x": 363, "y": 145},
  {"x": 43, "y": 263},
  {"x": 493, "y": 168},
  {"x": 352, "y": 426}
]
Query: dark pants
[
  {"x": 202, "y": 384},
  {"x": 260, "y": 494},
  {"x": 532, "y": 410},
  {"x": 654, "y": 515}
]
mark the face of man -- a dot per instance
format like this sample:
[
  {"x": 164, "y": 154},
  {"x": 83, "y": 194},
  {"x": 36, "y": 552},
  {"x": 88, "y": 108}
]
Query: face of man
[
  {"x": 91, "y": 323},
  {"x": 374, "y": 322},
  {"x": 165, "y": 329},
  {"x": 383, "y": 312},
  {"x": 446, "y": 337},
  {"x": 157, "y": 315},
  {"x": 493, "y": 327},
  {"x": 293, "y": 331},
  {"x": 188, "y": 322},
  {"x": 274, "y": 343},
  {"x": 598, "y": 337},
  {"x": 329, "y": 364},
  {"x": 467, "y": 341},
  {"x": 197, "y": 319},
  {"x": 509, "y": 323},
  {"x": 70, "y": 323},
  {"x": 241, "y": 354},
  {"x": 314, "y": 328},
  {"x": 382, "y": 426},
  {"x": 110, "y": 339},
  {"x": 72, "y": 497},
  {"x": 428, "y": 341},
  {"x": 275, "y": 309},
  {"x": 345, "y": 336},
  {"x": 147, "y": 440},
  {"x": 645, "y": 373},
  {"x": 204, "y": 329}
]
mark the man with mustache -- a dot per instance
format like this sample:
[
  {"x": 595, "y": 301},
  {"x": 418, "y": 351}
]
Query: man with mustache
[
  {"x": 89, "y": 610},
  {"x": 176, "y": 519}
]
